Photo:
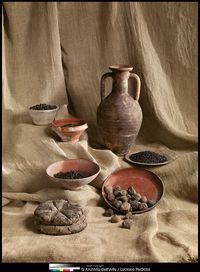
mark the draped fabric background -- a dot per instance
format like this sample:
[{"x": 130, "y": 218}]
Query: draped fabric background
[{"x": 56, "y": 52}]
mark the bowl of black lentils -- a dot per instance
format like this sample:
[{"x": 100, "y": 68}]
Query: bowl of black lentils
[
  {"x": 147, "y": 158},
  {"x": 43, "y": 114},
  {"x": 132, "y": 190},
  {"x": 73, "y": 174}
]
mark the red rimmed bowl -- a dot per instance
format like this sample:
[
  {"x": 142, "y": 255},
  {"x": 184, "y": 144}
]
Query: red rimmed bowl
[
  {"x": 145, "y": 183},
  {"x": 88, "y": 169},
  {"x": 69, "y": 129}
]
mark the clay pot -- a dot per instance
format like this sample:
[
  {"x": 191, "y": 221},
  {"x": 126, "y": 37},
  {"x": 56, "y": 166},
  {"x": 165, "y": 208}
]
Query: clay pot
[
  {"x": 69, "y": 129},
  {"x": 89, "y": 168},
  {"x": 119, "y": 116}
]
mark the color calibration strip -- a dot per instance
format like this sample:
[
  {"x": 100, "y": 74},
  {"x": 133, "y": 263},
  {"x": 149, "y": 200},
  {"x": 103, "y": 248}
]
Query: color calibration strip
[{"x": 62, "y": 268}]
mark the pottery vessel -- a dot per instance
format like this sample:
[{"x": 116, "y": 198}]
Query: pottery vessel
[
  {"x": 119, "y": 116},
  {"x": 43, "y": 117},
  {"x": 145, "y": 182},
  {"x": 69, "y": 129},
  {"x": 89, "y": 168}
]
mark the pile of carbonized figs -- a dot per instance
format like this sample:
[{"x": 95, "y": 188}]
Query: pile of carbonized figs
[{"x": 125, "y": 202}]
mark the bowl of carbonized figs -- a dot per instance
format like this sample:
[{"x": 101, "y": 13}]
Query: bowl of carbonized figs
[
  {"x": 132, "y": 190},
  {"x": 73, "y": 174}
]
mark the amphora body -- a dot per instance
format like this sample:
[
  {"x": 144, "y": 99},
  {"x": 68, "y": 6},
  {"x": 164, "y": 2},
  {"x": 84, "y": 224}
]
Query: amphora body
[{"x": 119, "y": 116}]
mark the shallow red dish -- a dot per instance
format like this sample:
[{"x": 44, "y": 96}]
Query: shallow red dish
[{"x": 145, "y": 182}]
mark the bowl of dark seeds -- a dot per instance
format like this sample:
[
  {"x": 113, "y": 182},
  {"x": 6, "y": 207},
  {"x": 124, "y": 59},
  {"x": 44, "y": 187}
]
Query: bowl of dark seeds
[
  {"x": 133, "y": 190},
  {"x": 147, "y": 158},
  {"x": 43, "y": 114},
  {"x": 73, "y": 174}
]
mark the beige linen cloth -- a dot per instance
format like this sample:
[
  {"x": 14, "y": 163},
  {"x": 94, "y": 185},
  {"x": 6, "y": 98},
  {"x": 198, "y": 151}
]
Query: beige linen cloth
[{"x": 56, "y": 52}]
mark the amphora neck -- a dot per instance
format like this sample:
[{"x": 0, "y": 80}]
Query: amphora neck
[{"x": 120, "y": 77}]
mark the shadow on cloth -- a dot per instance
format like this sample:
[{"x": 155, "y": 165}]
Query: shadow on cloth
[{"x": 30, "y": 224}]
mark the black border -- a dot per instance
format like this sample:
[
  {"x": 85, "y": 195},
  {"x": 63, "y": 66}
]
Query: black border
[
  {"x": 128, "y": 267},
  {"x": 154, "y": 267}
]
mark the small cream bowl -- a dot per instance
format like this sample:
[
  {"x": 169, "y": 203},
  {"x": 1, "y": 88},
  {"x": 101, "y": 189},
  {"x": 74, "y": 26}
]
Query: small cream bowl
[{"x": 43, "y": 117}]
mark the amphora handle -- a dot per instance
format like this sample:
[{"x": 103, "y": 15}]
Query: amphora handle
[
  {"x": 102, "y": 85},
  {"x": 132, "y": 75}
]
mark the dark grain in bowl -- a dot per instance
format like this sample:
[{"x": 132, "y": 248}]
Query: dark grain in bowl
[
  {"x": 148, "y": 157},
  {"x": 43, "y": 107},
  {"x": 73, "y": 174}
]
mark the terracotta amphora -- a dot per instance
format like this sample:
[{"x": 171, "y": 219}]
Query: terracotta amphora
[{"x": 119, "y": 116}]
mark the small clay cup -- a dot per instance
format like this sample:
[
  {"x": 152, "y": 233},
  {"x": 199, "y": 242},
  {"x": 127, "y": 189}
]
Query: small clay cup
[{"x": 69, "y": 129}]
